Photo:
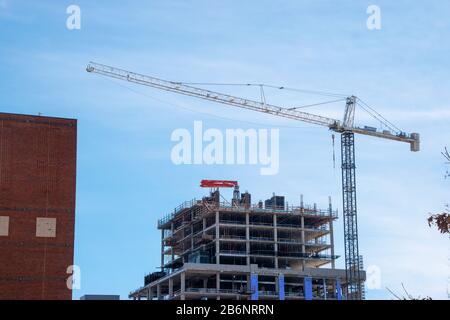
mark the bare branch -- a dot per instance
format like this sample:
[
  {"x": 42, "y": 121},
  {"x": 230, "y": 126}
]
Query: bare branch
[
  {"x": 410, "y": 297},
  {"x": 446, "y": 154},
  {"x": 398, "y": 298}
]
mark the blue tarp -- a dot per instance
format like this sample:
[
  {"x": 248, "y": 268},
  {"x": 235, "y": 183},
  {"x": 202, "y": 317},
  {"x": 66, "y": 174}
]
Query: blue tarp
[
  {"x": 254, "y": 286},
  {"x": 281, "y": 286},
  {"x": 307, "y": 284},
  {"x": 338, "y": 289}
]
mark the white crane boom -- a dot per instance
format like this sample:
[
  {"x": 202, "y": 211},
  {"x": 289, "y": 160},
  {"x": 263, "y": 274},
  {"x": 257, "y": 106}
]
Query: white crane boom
[
  {"x": 290, "y": 113},
  {"x": 209, "y": 95}
]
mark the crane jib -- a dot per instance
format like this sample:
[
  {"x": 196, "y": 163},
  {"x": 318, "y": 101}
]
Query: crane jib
[
  {"x": 180, "y": 88},
  {"x": 210, "y": 95}
]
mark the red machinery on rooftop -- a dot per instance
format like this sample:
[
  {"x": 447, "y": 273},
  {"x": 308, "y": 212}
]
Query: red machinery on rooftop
[{"x": 218, "y": 184}]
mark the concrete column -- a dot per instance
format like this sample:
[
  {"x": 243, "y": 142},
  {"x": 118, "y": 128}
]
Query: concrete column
[
  {"x": 330, "y": 212},
  {"x": 334, "y": 288},
  {"x": 275, "y": 237},
  {"x": 302, "y": 219},
  {"x": 171, "y": 231},
  {"x": 150, "y": 291},
  {"x": 162, "y": 249},
  {"x": 170, "y": 287},
  {"x": 158, "y": 291},
  {"x": 217, "y": 238},
  {"x": 325, "y": 288},
  {"x": 333, "y": 263},
  {"x": 192, "y": 238},
  {"x": 247, "y": 237},
  {"x": 218, "y": 285},
  {"x": 183, "y": 285}
]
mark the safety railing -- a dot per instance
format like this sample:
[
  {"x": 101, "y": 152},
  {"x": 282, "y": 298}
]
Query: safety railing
[
  {"x": 293, "y": 294},
  {"x": 305, "y": 210},
  {"x": 227, "y": 206},
  {"x": 289, "y": 240},
  {"x": 230, "y": 236},
  {"x": 212, "y": 290},
  {"x": 176, "y": 211},
  {"x": 230, "y": 221},
  {"x": 307, "y": 255},
  {"x": 261, "y": 238},
  {"x": 237, "y": 252},
  {"x": 267, "y": 293}
]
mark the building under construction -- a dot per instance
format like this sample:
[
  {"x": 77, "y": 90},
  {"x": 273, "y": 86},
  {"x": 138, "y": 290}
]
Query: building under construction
[{"x": 218, "y": 249}]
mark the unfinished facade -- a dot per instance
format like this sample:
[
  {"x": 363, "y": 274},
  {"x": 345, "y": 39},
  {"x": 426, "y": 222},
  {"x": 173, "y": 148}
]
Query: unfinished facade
[{"x": 215, "y": 249}]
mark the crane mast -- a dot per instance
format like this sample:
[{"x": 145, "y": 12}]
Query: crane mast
[{"x": 347, "y": 129}]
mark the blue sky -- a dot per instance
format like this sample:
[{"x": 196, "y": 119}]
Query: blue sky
[{"x": 126, "y": 180}]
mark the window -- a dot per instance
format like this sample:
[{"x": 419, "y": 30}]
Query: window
[
  {"x": 4, "y": 226},
  {"x": 46, "y": 227}
]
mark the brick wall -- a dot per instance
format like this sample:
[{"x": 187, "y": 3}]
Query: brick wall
[{"x": 37, "y": 206}]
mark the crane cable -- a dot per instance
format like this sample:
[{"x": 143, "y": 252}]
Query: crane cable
[
  {"x": 317, "y": 92},
  {"x": 342, "y": 97},
  {"x": 362, "y": 104},
  {"x": 263, "y": 96},
  {"x": 378, "y": 116},
  {"x": 316, "y": 104},
  {"x": 177, "y": 105}
]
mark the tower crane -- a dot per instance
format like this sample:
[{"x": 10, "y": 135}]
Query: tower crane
[{"x": 346, "y": 128}]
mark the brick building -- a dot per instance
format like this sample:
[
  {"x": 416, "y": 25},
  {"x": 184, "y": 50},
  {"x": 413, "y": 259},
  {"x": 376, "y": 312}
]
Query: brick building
[{"x": 37, "y": 206}]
